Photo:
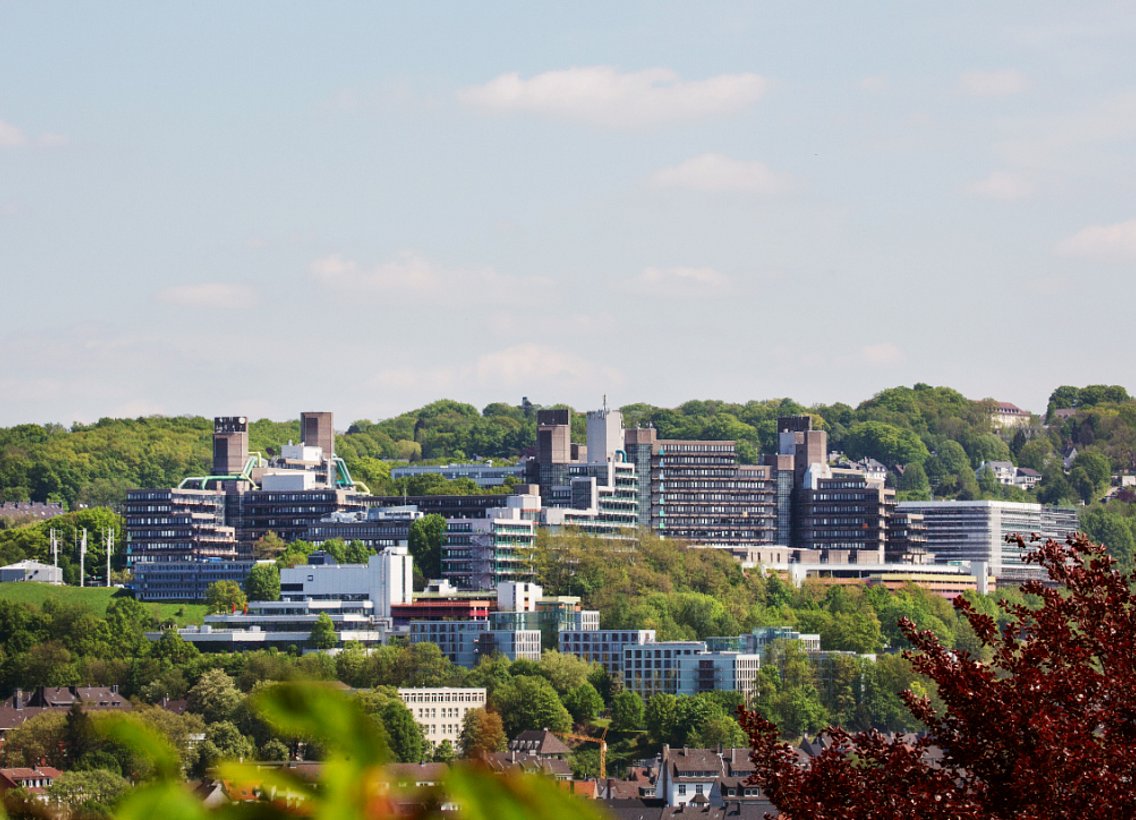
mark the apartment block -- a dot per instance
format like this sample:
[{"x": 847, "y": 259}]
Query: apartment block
[{"x": 604, "y": 646}]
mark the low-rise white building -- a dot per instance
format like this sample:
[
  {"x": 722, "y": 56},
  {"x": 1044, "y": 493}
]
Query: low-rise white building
[
  {"x": 386, "y": 579},
  {"x": 441, "y": 710},
  {"x": 31, "y": 571}
]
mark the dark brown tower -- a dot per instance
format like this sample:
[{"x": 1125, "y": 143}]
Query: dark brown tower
[
  {"x": 230, "y": 444},
  {"x": 316, "y": 430}
]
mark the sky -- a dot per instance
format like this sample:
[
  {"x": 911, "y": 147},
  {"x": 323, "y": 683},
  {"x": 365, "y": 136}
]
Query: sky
[{"x": 259, "y": 208}]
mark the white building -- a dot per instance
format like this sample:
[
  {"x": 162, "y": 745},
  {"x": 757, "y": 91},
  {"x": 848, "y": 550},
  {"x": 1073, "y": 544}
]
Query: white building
[
  {"x": 479, "y": 553},
  {"x": 654, "y": 667},
  {"x": 440, "y": 711},
  {"x": 518, "y": 596},
  {"x": 31, "y": 571},
  {"x": 386, "y": 579},
  {"x": 718, "y": 672},
  {"x": 283, "y": 624}
]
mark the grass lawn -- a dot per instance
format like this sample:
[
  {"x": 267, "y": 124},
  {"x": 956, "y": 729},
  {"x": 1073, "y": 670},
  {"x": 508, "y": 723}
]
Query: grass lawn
[{"x": 95, "y": 599}]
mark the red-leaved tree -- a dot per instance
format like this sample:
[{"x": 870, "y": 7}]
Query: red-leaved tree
[{"x": 1046, "y": 729}]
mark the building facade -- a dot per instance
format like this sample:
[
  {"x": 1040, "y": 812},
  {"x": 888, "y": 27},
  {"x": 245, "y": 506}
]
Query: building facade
[{"x": 441, "y": 710}]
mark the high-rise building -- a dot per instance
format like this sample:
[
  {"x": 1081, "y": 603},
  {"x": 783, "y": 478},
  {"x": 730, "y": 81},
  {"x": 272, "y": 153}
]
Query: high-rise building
[
  {"x": 698, "y": 490},
  {"x": 594, "y": 486}
]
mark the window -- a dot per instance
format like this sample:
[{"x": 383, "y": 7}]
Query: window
[{"x": 682, "y": 788}]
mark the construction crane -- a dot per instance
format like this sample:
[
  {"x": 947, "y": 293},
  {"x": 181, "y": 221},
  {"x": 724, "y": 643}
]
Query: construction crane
[{"x": 601, "y": 741}]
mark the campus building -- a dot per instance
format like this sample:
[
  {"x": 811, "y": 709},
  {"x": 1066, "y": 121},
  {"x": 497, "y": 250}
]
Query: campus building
[
  {"x": 182, "y": 539},
  {"x": 698, "y": 490},
  {"x": 603, "y": 646},
  {"x": 441, "y": 710},
  {"x": 976, "y": 531}
]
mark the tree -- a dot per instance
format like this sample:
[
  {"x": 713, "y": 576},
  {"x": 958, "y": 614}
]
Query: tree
[
  {"x": 225, "y": 596},
  {"x": 39, "y": 738},
  {"x": 270, "y": 545},
  {"x": 1112, "y": 530},
  {"x": 626, "y": 711},
  {"x": 1044, "y": 729},
  {"x": 89, "y": 793},
  {"x": 263, "y": 583},
  {"x": 913, "y": 485},
  {"x": 427, "y": 534},
  {"x": 583, "y": 703},
  {"x": 890, "y": 444},
  {"x": 323, "y": 633},
  {"x": 215, "y": 696},
  {"x": 444, "y": 752},
  {"x": 1090, "y": 475},
  {"x": 529, "y": 702},
  {"x": 482, "y": 732},
  {"x": 223, "y": 740},
  {"x": 405, "y": 735},
  {"x": 564, "y": 671}
]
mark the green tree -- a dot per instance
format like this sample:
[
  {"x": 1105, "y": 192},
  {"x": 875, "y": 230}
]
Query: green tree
[
  {"x": 263, "y": 583},
  {"x": 886, "y": 442},
  {"x": 1090, "y": 474},
  {"x": 323, "y": 633},
  {"x": 223, "y": 740},
  {"x": 215, "y": 696},
  {"x": 225, "y": 596},
  {"x": 627, "y": 711},
  {"x": 563, "y": 670},
  {"x": 913, "y": 485},
  {"x": 1113, "y": 531},
  {"x": 39, "y": 738},
  {"x": 482, "y": 732},
  {"x": 427, "y": 535},
  {"x": 89, "y": 793},
  {"x": 661, "y": 716},
  {"x": 405, "y": 735},
  {"x": 528, "y": 702},
  {"x": 583, "y": 703},
  {"x": 174, "y": 649}
]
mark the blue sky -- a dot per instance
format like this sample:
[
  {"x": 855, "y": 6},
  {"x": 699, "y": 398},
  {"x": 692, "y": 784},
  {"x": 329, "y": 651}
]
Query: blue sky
[{"x": 260, "y": 208}]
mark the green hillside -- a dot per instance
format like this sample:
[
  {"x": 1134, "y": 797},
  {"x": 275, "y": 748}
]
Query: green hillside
[{"x": 95, "y": 600}]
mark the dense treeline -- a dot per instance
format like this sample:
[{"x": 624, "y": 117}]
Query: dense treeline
[
  {"x": 687, "y": 593},
  {"x": 939, "y": 432}
]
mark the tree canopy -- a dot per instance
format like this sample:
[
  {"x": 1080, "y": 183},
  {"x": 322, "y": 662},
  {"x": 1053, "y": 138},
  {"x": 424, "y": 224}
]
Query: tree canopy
[{"x": 1042, "y": 729}]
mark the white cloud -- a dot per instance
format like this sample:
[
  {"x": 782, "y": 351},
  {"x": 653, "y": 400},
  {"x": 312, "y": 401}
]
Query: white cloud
[
  {"x": 602, "y": 95},
  {"x": 719, "y": 173},
  {"x": 1002, "y": 185},
  {"x": 684, "y": 278},
  {"x": 11, "y": 136},
  {"x": 1116, "y": 241},
  {"x": 526, "y": 365},
  {"x": 880, "y": 354},
  {"x": 875, "y": 84},
  {"x": 993, "y": 83},
  {"x": 208, "y": 295},
  {"x": 410, "y": 272}
]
